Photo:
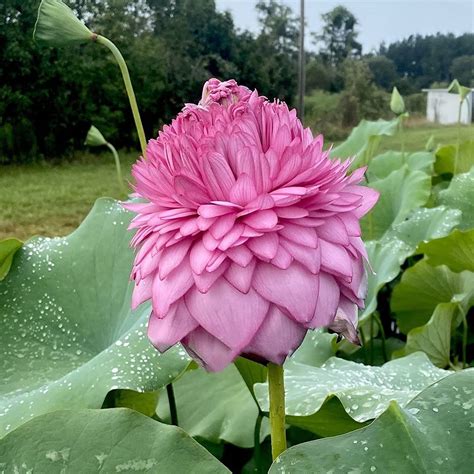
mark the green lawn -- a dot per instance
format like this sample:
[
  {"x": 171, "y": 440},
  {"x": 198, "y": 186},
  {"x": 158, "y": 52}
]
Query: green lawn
[{"x": 53, "y": 200}]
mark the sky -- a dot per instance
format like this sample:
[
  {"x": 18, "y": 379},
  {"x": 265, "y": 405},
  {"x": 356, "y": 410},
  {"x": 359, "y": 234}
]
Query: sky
[{"x": 379, "y": 20}]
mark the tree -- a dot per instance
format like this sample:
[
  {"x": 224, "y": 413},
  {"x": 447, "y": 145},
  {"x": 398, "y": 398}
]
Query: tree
[
  {"x": 338, "y": 39},
  {"x": 462, "y": 69},
  {"x": 383, "y": 71}
]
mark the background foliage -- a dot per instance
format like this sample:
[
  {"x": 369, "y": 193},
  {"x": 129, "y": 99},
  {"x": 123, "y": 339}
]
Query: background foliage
[{"x": 49, "y": 97}]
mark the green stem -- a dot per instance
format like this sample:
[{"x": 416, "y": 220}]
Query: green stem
[
  {"x": 256, "y": 440},
  {"x": 402, "y": 137},
  {"x": 128, "y": 86},
  {"x": 372, "y": 339},
  {"x": 276, "y": 389},
  {"x": 382, "y": 333},
  {"x": 464, "y": 338},
  {"x": 172, "y": 404},
  {"x": 456, "y": 156},
  {"x": 117, "y": 166},
  {"x": 362, "y": 338}
]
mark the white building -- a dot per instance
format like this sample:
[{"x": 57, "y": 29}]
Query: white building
[{"x": 443, "y": 107}]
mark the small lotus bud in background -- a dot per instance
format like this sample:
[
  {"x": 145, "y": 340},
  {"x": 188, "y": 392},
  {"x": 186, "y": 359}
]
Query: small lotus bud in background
[
  {"x": 430, "y": 144},
  {"x": 58, "y": 25},
  {"x": 456, "y": 88},
  {"x": 397, "y": 105},
  {"x": 95, "y": 138}
]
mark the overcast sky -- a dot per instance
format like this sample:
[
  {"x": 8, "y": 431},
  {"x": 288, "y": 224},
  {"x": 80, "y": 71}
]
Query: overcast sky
[{"x": 379, "y": 20}]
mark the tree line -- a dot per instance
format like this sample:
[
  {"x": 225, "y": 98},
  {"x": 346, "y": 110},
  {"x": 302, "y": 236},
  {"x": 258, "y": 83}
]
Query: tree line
[{"x": 50, "y": 96}]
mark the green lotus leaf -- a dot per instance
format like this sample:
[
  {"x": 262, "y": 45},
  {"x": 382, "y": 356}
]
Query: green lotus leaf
[
  {"x": 431, "y": 434},
  {"x": 116, "y": 440},
  {"x": 382, "y": 165},
  {"x": 363, "y": 392},
  {"x": 456, "y": 251},
  {"x": 216, "y": 407},
  {"x": 364, "y": 140},
  {"x": 446, "y": 157},
  {"x": 8, "y": 248},
  {"x": 423, "y": 287},
  {"x": 388, "y": 254},
  {"x": 460, "y": 195},
  {"x": 434, "y": 338},
  {"x": 67, "y": 334},
  {"x": 401, "y": 192},
  {"x": 58, "y": 25}
]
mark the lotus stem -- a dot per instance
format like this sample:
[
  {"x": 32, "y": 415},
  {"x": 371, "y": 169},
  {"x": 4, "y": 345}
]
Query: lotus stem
[
  {"x": 172, "y": 404},
  {"x": 276, "y": 389},
  {"x": 465, "y": 331},
  {"x": 256, "y": 439},
  {"x": 456, "y": 156},
  {"x": 117, "y": 166},
  {"x": 129, "y": 88}
]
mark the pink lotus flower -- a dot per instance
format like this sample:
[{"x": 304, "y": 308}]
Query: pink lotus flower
[{"x": 250, "y": 234}]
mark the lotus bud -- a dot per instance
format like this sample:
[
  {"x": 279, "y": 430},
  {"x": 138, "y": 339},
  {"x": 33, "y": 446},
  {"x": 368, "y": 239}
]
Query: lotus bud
[
  {"x": 58, "y": 25},
  {"x": 397, "y": 105},
  {"x": 456, "y": 88}
]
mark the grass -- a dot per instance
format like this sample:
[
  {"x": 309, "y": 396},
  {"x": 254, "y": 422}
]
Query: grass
[{"x": 52, "y": 200}]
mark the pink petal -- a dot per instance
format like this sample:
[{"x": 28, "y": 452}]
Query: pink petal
[
  {"x": 141, "y": 291},
  {"x": 369, "y": 199},
  {"x": 227, "y": 314},
  {"x": 173, "y": 256},
  {"x": 292, "y": 212},
  {"x": 240, "y": 255},
  {"x": 310, "y": 258},
  {"x": 334, "y": 230},
  {"x": 334, "y": 259},
  {"x": 231, "y": 237},
  {"x": 294, "y": 289},
  {"x": 328, "y": 301},
  {"x": 243, "y": 190},
  {"x": 209, "y": 351},
  {"x": 282, "y": 259},
  {"x": 170, "y": 289},
  {"x": 212, "y": 210},
  {"x": 166, "y": 332},
  {"x": 300, "y": 235},
  {"x": 265, "y": 246},
  {"x": 262, "y": 220},
  {"x": 278, "y": 337},
  {"x": 241, "y": 278},
  {"x": 206, "y": 279},
  {"x": 222, "y": 225},
  {"x": 199, "y": 257}
]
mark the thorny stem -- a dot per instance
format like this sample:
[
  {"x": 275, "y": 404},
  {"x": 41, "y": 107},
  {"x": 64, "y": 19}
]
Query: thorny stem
[
  {"x": 276, "y": 389},
  {"x": 128, "y": 86}
]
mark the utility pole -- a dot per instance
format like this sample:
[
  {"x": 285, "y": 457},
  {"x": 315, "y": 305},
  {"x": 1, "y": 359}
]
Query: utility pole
[{"x": 301, "y": 65}]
